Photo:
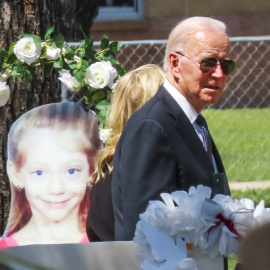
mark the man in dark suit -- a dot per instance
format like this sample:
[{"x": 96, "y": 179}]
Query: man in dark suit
[{"x": 163, "y": 147}]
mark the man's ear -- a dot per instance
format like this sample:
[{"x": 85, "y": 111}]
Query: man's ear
[
  {"x": 174, "y": 63},
  {"x": 14, "y": 175}
]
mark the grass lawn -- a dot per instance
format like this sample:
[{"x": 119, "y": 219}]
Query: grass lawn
[
  {"x": 256, "y": 195},
  {"x": 242, "y": 137}
]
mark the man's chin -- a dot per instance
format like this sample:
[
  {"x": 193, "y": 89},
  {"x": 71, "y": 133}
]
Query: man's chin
[{"x": 211, "y": 99}]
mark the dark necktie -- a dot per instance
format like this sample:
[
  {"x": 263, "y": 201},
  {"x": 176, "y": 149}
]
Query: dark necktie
[{"x": 200, "y": 121}]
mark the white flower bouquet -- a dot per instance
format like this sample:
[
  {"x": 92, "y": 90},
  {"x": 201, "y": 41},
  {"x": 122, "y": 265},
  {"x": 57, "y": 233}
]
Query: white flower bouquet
[
  {"x": 213, "y": 227},
  {"x": 81, "y": 69}
]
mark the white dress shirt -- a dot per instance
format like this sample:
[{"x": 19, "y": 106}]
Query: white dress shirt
[{"x": 188, "y": 110}]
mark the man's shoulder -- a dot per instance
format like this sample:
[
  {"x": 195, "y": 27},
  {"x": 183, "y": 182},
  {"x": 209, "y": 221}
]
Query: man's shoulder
[{"x": 153, "y": 108}]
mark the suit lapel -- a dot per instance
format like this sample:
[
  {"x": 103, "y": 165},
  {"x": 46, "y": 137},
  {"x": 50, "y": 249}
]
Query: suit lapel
[{"x": 185, "y": 129}]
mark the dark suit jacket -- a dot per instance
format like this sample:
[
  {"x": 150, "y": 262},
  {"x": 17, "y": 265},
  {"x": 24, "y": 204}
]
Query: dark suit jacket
[{"x": 159, "y": 151}]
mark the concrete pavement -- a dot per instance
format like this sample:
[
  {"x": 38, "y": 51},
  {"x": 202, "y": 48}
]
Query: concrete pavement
[{"x": 250, "y": 185}]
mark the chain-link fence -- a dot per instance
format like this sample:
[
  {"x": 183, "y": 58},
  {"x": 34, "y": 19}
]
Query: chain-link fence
[{"x": 248, "y": 87}]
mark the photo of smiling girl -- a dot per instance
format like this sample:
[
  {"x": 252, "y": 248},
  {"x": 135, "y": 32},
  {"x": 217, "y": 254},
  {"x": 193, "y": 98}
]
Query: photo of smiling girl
[{"x": 51, "y": 161}]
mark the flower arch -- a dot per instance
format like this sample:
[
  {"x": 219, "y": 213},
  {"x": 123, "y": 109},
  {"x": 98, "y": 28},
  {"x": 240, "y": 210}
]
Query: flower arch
[{"x": 81, "y": 69}]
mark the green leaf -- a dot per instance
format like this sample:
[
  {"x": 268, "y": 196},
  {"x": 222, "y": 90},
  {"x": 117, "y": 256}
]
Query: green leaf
[
  {"x": 11, "y": 59},
  {"x": 48, "y": 32},
  {"x": 3, "y": 55},
  {"x": 83, "y": 42},
  {"x": 84, "y": 65},
  {"x": 104, "y": 42},
  {"x": 103, "y": 108},
  {"x": 69, "y": 53},
  {"x": 43, "y": 55},
  {"x": 81, "y": 53},
  {"x": 121, "y": 71},
  {"x": 90, "y": 54},
  {"x": 99, "y": 95},
  {"x": 59, "y": 40},
  {"x": 78, "y": 74},
  {"x": 64, "y": 63},
  {"x": 101, "y": 116},
  {"x": 58, "y": 64},
  {"x": 11, "y": 46},
  {"x": 91, "y": 42},
  {"x": 35, "y": 64},
  {"x": 28, "y": 77},
  {"x": 110, "y": 56},
  {"x": 72, "y": 64},
  {"x": 87, "y": 94},
  {"x": 103, "y": 105},
  {"x": 115, "y": 46},
  {"x": 86, "y": 42},
  {"x": 17, "y": 72},
  {"x": 48, "y": 67}
]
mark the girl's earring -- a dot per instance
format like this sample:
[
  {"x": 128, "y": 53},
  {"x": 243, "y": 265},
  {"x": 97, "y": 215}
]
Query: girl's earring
[
  {"x": 19, "y": 187},
  {"x": 89, "y": 184}
]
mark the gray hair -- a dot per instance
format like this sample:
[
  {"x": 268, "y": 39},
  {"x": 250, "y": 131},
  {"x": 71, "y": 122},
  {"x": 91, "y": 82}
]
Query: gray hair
[{"x": 180, "y": 34}]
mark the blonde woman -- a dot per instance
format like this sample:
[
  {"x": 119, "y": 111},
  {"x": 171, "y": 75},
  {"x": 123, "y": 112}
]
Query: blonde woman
[{"x": 130, "y": 93}]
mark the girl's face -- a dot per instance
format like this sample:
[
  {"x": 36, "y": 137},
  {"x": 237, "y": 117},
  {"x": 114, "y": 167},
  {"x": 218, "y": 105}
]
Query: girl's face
[{"x": 54, "y": 174}]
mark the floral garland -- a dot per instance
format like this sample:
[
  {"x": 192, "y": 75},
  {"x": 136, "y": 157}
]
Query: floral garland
[
  {"x": 212, "y": 226},
  {"x": 84, "y": 69}
]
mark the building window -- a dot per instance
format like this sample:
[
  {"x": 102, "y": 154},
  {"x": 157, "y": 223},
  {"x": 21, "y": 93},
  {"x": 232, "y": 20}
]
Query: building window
[
  {"x": 112, "y": 10},
  {"x": 116, "y": 3}
]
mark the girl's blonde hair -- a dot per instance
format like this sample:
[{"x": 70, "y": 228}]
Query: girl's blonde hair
[
  {"x": 60, "y": 117},
  {"x": 132, "y": 91}
]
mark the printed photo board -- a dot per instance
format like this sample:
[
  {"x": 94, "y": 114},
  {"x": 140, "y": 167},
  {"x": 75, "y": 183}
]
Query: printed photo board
[{"x": 51, "y": 163}]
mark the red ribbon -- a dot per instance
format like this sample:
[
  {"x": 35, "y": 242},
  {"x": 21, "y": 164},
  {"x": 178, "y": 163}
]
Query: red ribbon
[{"x": 228, "y": 223}]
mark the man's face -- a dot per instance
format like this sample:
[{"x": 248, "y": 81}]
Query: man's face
[{"x": 202, "y": 89}]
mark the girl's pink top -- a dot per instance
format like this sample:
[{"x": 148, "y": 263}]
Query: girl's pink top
[{"x": 11, "y": 242}]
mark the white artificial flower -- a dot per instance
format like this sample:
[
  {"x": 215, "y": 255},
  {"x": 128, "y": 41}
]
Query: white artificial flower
[
  {"x": 213, "y": 227},
  {"x": 77, "y": 59},
  {"x": 4, "y": 93},
  {"x": 104, "y": 134},
  {"x": 53, "y": 53},
  {"x": 187, "y": 264},
  {"x": 27, "y": 50},
  {"x": 69, "y": 81},
  {"x": 261, "y": 215},
  {"x": 5, "y": 75},
  {"x": 100, "y": 75}
]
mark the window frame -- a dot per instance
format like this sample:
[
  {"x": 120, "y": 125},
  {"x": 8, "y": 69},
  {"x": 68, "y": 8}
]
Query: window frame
[{"x": 121, "y": 13}]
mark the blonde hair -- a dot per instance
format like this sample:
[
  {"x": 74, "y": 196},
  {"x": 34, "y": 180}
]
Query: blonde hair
[
  {"x": 179, "y": 36},
  {"x": 132, "y": 91},
  {"x": 57, "y": 116}
]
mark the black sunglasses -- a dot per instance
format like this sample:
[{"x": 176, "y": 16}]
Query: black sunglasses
[{"x": 207, "y": 64}]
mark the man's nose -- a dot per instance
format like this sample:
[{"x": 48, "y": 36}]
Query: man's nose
[{"x": 217, "y": 72}]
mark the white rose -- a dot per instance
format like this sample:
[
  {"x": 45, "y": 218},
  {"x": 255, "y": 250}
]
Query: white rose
[
  {"x": 4, "y": 93},
  {"x": 5, "y": 75},
  {"x": 27, "y": 50},
  {"x": 100, "y": 74},
  {"x": 53, "y": 53},
  {"x": 104, "y": 134},
  {"x": 68, "y": 80}
]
